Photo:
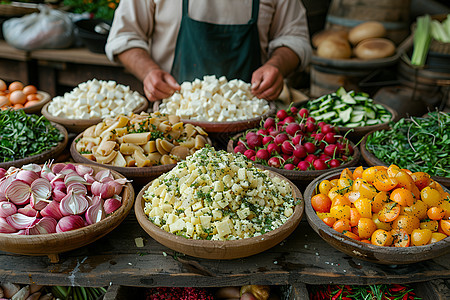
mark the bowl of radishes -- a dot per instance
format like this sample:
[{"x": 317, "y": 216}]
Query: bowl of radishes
[
  {"x": 293, "y": 144},
  {"x": 47, "y": 210}
]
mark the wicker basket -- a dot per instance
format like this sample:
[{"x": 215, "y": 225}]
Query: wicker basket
[{"x": 16, "y": 10}]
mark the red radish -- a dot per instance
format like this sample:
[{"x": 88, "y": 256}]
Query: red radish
[
  {"x": 287, "y": 147},
  {"x": 263, "y": 154},
  {"x": 303, "y": 113},
  {"x": 273, "y": 149},
  {"x": 249, "y": 134},
  {"x": 311, "y": 119},
  {"x": 285, "y": 156},
  {"x": 274, "y": 162},
  {"x": 348, "y": 149},
  {"x": 310, "y": 147},
  {"x": 261, "y": 132},
  {"x": 344, "y": 157},
  {"x": 242, "y": 143},
  {"x": 303, "y": 165},
  {"x": 330, "y": 138},
  {"x": 330, "y": 150},
  {"x": 319, "y": 164},
  {"x": 240, "y": 149},
  {"x": 292, "y": 128},
  {"x": 269, "y": 122},
  {"x": 319, "y": 136},
  {"x": 274, "y": 132},
  {"x": 280, "y": 138},
  {"x": 324, "y": 157},
  {"x": 297, "y": 138},
  {"x": 320, "y": 124},
  {"x": 281, "y": 114},
  {"x": 295, "y": 160},
  {"x": 294, "y": 110},
  {"x": 300, "y": 151},
  {"x": 253, "y": 158},
  {"x": 289, "y": 166},
  {"x": 310, "y": 158},
  {"x": 310, "y": 126},
  {"x": 249, "y": 153},
  {"x": 334, "y": 163},
  {"x": 289, "y": 119},
  {"x": 254, "y": 141},
  {"x": 267, "y": 139},
  {"x": 327, "y": 128}
]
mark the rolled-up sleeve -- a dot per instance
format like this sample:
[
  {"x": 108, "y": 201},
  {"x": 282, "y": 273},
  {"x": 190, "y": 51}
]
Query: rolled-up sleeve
[
  {"x": 131, "y": 28},
  {"x": 290, "y": 28}
]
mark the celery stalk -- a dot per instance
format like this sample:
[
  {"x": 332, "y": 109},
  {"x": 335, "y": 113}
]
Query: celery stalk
[
  {"x": 446, "y": 24},
  {"x": 422, "y": 39},
  {"x": 438, "y": 32}
]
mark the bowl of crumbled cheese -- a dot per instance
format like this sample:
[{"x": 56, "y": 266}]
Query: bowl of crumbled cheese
[
  {"x": 218, "y": 205},
  {"x": 92, "y": 101},
  {"x": 217, "y": 105}
]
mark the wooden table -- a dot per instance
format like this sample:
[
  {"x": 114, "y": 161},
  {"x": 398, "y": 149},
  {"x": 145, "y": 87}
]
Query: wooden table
[
  {"x": 302, "y": 258},
  {"x": 15, "y": 64}
]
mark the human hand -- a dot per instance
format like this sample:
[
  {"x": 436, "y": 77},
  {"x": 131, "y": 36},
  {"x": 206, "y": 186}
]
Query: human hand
[
  {"x": 267, "y": 82},
  {"x": 158, "y": 84}
]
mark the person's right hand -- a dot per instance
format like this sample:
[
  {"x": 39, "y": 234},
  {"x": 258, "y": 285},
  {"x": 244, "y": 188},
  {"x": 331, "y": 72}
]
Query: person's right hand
[{"x": 158, "y": 84}]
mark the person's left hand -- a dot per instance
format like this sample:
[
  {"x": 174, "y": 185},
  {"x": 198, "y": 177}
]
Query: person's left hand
[{"x": 267, "y": 82}]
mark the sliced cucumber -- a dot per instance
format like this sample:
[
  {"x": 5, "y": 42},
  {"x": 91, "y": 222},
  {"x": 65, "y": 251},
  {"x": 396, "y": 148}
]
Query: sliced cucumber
[
  {"x": 370, "y": 113},
  {"x": 353, "y": 124},
  {"x": 341, "y": 91},
  {"x": 339, "y": 106},
  {"x": 373, "y": 122},
  {"x": 357, "y": 118},
  {"x": 329, "y": 115},
  {"x": 346, "y": 115},
  {"x": 348, "y": 99}
]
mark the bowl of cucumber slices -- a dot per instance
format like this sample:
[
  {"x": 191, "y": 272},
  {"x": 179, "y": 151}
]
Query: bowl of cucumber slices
[{"x": 353, "y": 112}]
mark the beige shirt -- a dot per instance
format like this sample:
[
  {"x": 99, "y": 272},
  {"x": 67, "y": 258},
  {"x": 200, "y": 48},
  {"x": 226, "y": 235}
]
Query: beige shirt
[{"x": 153, "y": 25}]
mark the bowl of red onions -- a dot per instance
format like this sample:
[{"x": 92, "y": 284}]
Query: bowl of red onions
[{"x": 50, "y": 209}]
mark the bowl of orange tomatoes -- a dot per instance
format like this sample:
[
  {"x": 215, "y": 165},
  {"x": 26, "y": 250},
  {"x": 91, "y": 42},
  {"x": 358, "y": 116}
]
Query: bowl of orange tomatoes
[
  {"x": 16, "y": 95},
  {"x": 380, "y": 214}
]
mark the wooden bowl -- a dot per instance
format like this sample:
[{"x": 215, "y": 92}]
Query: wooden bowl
[
  {"x": 36, "y": 109},
  {"x": 357, "y": 133},
  {"x": 226, "y": 127},
  {"x": 372, "y": 160},
  {"x": 368, "y": 252},
  {"x": 296, "y": 175},
  {"x": 220, "y": 249},
  {"x": 79, "y": 125},
  {"x": 55, "y": 243},
  {"x": 140, "y": 175},
  {"x": 41, "y": 157}
]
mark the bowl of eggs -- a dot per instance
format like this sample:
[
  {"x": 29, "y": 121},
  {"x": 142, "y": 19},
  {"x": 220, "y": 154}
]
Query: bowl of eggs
[{"x": 16, "y": 95}]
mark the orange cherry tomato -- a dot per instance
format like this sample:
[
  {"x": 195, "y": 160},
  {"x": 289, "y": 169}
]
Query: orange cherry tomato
[
  {"x": 369, "y": 173},
  {"x": 383, "y": 182},
  {"x": 389, "y": 212},
  {"x": 329, "y": 221},
  {"x": 420, "y": 237},
  {"x": 402, "y": 196},
  {"x": 430, "y": 196},
  {"x": 406, "y": 222},
  {"x": 340, "y": 212},
  {"x": 342, "y": 225},
  {"x": 346, "y": 174},
  {"x": 341, "y": 200},
  {"x": 378, "y": 201},
  {"x": 392, "y": 170},
  {"x": 366, "y": 227},
  {"x": 437, "y": 236},
  {"x": 354, "y": 217},
  {"x": 325, "y": 187},
  {"x": 429, "y": 224},
  {"x": 418, "y": 209},
  {"x": 364, "y": 207},
  {"x": 366, "y": 241},
  {"x": 381, "y": 225},
  {"x": 400, "y": 238},
  {"x": 381, "y": 237},
  {"x": 357, "y": 173},
  {"x": 404, "y": 180},
  {"x": 445, "y": 226},
  {"x": 435, "y": 213},
  {"x": 321, "y": 203},
  {"x": 421, "y": 179},
  {"x": 352, "y": 235}
]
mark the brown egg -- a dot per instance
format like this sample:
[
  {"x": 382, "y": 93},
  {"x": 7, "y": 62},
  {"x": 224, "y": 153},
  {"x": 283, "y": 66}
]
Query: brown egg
[
  {"x": 17, "y": 97},
  {"x": 29, "y": 89},
  {"x": 18, "y": 106},
  {"x": 34, "y": 97},
  {"x": 31, "y": 103},
  {"x": 15, "y": 86},
  {"x": 4, "y": 101},
  {"x": 2, "y": 85}
]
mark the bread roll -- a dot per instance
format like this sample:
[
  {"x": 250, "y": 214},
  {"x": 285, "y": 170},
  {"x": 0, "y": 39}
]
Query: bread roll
[
  {"x": 374, "y": 48},
  {"x": 320, "y": 36},
  {"x": 334, "y": 47},
  {"x": 366, "y": 30}
]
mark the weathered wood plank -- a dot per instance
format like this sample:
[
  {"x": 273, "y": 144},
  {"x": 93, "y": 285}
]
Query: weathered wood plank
[{"x": 302, "y": 258}]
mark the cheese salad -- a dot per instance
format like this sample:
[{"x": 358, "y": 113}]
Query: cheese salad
[
  {"x": 214, "y": 100},
  {"x": 215, "y": 195}
]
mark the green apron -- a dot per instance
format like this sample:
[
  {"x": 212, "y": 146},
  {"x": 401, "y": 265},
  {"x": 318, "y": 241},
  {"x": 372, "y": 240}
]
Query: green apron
[{"x": 214, "y": 49}]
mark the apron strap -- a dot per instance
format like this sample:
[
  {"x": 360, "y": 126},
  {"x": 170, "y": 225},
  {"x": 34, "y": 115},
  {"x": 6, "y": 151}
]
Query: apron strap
[
  {"x": 255, "y": 12},
  {"x": 185, "y": 8}
]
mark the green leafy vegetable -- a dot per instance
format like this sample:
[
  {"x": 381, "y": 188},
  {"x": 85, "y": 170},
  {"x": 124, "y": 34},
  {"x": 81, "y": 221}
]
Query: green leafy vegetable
[
  {"x": 23, "y": 135},
  {"x": 422, "y": 39},
  {"x": 417, "y": 144}
]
